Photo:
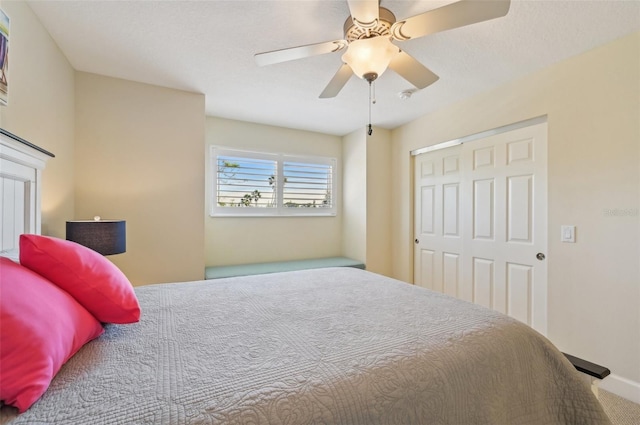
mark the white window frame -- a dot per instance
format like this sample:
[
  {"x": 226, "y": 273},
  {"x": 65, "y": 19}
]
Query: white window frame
[{"x": 279, "y": 211}]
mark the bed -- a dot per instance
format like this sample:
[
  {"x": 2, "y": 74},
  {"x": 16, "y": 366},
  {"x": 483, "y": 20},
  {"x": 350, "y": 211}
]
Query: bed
[{"x": 325, "y": 346}]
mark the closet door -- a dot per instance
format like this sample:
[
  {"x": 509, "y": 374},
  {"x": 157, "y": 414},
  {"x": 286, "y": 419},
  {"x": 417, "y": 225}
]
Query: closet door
[
  {"x": 438, "y": 215},
  {"x": 481, "y": 229}
]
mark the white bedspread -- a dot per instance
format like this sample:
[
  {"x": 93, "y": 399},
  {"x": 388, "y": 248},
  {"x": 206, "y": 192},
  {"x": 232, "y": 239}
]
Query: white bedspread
[{"x": 327, "y": 346}]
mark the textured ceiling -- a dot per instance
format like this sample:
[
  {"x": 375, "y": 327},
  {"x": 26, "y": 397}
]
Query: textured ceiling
[{"x": 208, "y": 47}]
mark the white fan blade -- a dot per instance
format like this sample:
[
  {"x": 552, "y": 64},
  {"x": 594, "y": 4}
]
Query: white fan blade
[
  {"x": 337, "y": 82},
  {"x": 465, "y": 12},
  {"x": 292, "y": 53},
  {"x": 364, "y": 12},
  {"x": 413, "y": 71}
]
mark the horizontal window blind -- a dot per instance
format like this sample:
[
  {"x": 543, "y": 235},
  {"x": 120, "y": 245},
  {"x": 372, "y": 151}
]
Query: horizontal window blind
[
  {"x": 246, "y": 182},
  {"x": 254, "y": 183},
  {"x": 307, "y": 185}
]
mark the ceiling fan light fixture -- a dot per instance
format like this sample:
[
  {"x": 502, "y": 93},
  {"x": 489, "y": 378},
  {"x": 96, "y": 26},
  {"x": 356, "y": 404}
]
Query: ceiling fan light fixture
[{"x": 370, "y": 55}]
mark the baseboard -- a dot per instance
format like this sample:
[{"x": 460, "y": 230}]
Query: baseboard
[{"x": 623, "y": 387}]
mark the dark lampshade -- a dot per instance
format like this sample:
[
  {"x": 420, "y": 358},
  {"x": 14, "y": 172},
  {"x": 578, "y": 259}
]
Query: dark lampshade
[{"x": 107, "y": 237}]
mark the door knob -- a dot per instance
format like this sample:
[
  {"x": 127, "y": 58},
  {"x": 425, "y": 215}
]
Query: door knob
[
  {"x": 540, "y": 256},
  {"x": 417, "y": 241}
]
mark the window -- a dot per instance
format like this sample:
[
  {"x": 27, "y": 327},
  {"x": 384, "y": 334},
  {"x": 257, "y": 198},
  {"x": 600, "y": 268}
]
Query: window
[{"x": 265, "y": 184}]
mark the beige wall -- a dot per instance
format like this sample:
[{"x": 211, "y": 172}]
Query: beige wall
[
  {"x": 379, "y": 201},
  {"x": 593, "y": 107},
  {"x": 41, "y": 109},
  {"x": 367, "y": 195},
  {"x": 354, "y": 238},
  {"x": 238, "y": 240},
  {"x": 138, "y": 157}
]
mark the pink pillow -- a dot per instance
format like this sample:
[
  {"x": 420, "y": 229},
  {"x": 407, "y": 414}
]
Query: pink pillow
[
  {"x": 90, "y": 278},
  {"x": 41, "y": 327}
]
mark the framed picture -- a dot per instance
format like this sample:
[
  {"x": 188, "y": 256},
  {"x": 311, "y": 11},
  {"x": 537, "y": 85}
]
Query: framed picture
[{"x": 4, "y": 57}]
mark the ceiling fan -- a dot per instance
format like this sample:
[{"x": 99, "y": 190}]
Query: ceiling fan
[{"x": 368, "y": 36}]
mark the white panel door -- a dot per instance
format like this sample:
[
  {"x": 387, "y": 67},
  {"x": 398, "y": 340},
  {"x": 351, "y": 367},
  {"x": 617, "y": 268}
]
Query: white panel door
[
  {"x": 438, "y": 221},
  {"x": 500, "y": 218}
]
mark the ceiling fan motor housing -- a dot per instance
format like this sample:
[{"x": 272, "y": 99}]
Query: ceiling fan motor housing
[{"x": 354, "y": 32}]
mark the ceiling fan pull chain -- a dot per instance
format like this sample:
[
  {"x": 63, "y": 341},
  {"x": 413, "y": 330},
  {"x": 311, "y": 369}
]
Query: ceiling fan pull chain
[
  {"x": 373, "y": 87},
  {"x": 370, "y": 130}
]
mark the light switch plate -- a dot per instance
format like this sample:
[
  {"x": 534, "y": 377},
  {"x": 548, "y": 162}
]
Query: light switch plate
[{"x": 568, "y": 233}]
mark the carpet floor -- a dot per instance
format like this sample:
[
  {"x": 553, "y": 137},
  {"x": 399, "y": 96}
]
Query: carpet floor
[{"x": 620, "y": 410}]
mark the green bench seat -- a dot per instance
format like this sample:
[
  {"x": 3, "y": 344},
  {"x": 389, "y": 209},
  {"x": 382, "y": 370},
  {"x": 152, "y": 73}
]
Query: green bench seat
[{"x": 218, "y": 272}]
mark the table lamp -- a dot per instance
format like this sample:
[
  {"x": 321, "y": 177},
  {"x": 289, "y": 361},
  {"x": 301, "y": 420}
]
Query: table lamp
[{"x": 107, "y": 237}]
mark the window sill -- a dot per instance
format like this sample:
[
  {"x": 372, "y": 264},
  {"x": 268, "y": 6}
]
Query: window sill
[{"x": 217, "y": 215}]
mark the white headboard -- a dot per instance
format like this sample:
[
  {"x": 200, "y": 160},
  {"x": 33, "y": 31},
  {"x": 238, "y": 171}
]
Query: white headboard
[{"x": 21, "y": 165}]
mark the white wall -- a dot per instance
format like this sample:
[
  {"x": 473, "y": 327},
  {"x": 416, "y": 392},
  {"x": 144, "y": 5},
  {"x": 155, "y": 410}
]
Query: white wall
[
  {"x": 41, "y": 109},
  {"x": 139, "y": 158},
  {"x": 239, "y": 240},
  {"x": 593, "y": 107}
]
